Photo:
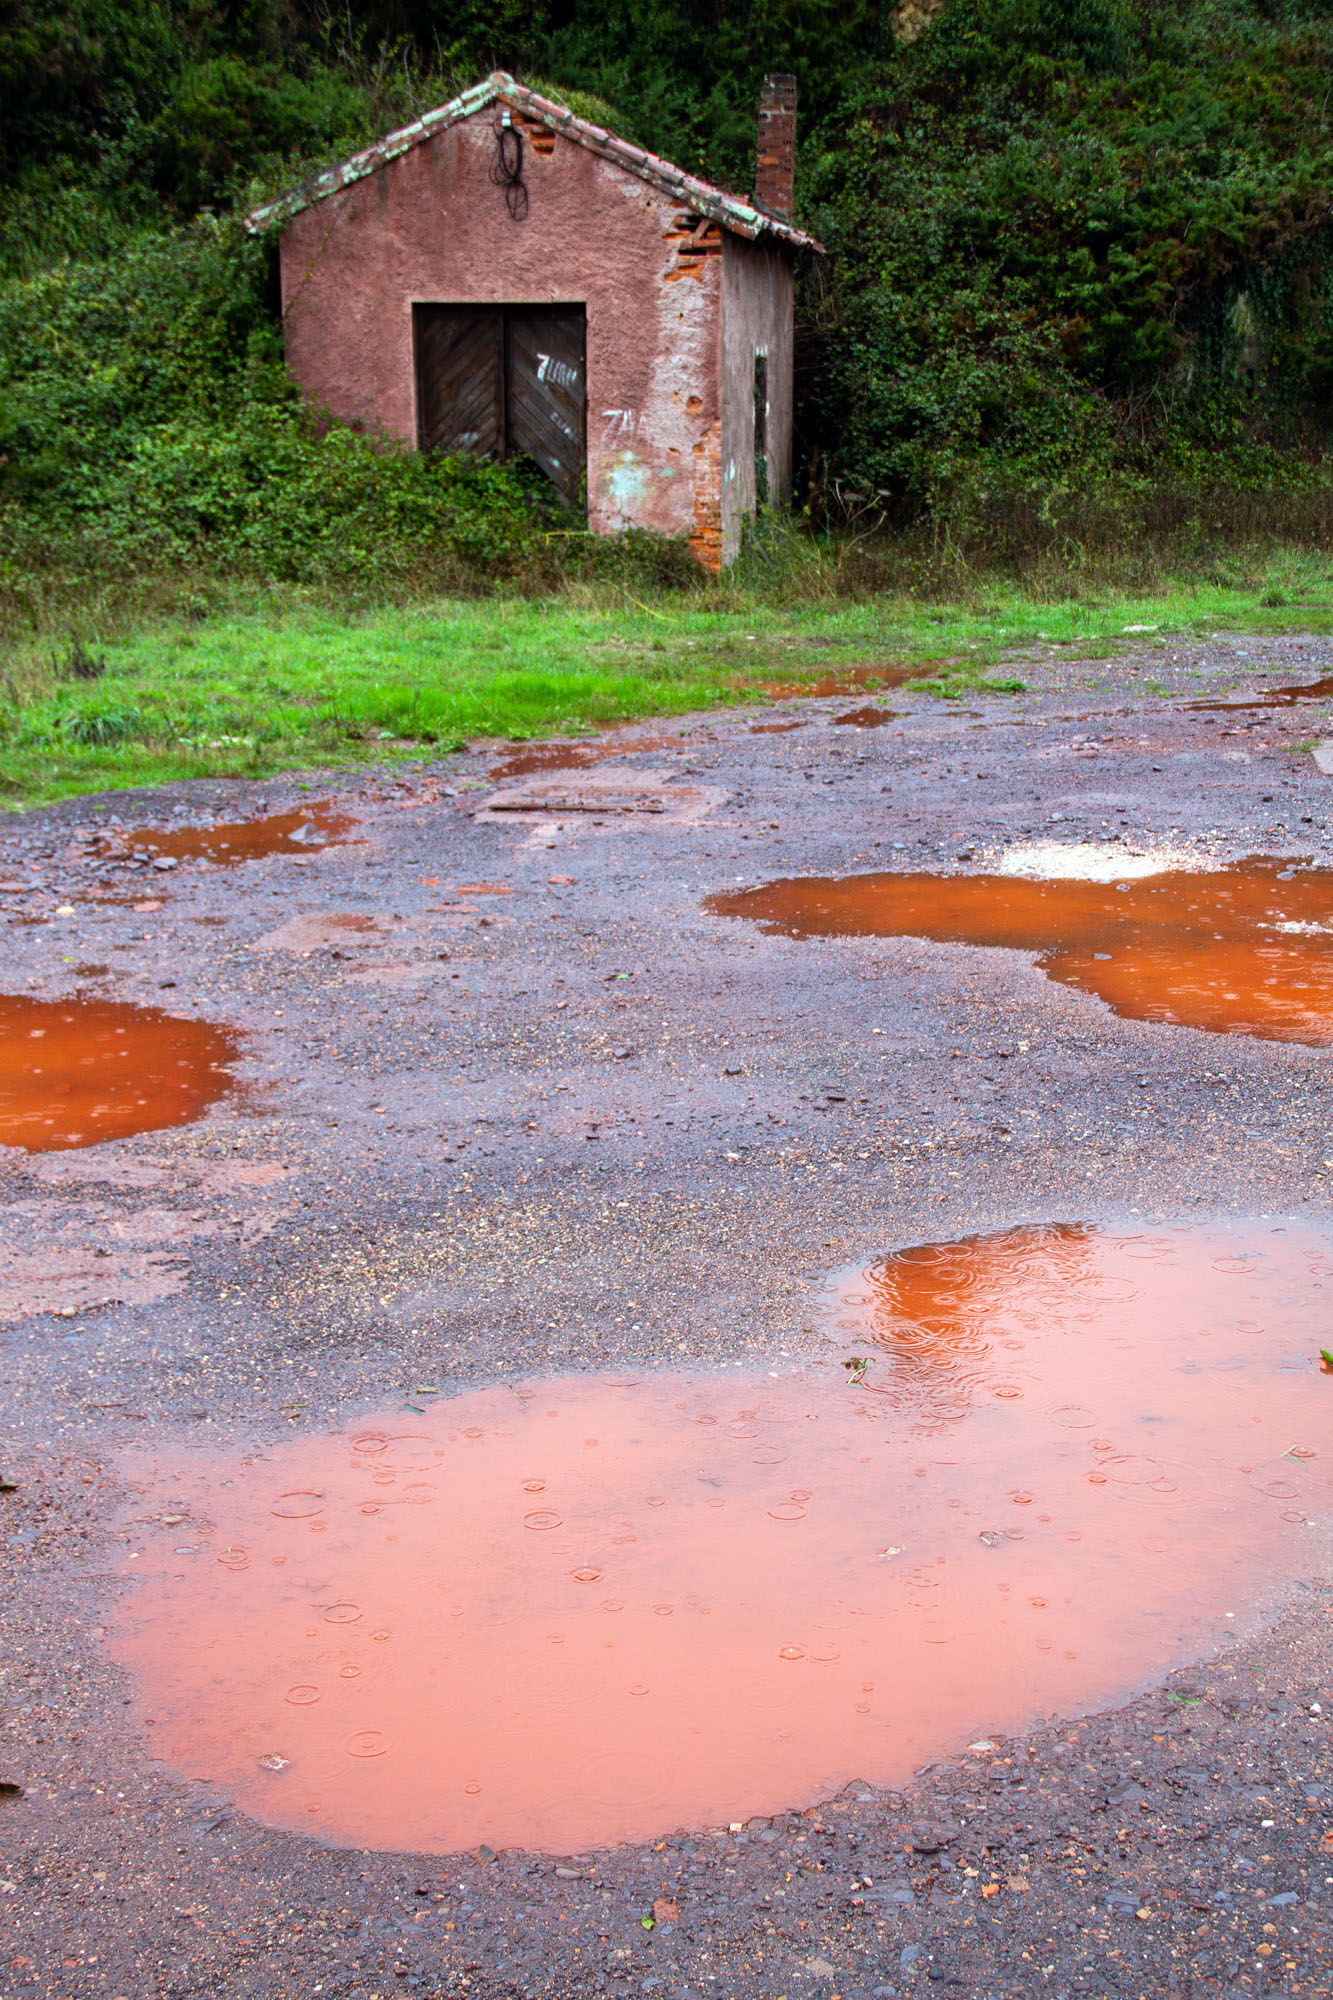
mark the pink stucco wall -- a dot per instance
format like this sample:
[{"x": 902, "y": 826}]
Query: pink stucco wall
[{"x": 431, "y": 228}]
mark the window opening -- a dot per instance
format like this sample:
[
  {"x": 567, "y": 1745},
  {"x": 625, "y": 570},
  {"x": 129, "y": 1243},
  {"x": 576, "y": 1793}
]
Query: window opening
[{"x": 761, "y": 430}]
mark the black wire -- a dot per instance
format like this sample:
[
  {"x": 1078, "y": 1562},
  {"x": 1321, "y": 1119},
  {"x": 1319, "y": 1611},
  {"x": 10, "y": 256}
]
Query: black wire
[{"x": 507, "y": 170}]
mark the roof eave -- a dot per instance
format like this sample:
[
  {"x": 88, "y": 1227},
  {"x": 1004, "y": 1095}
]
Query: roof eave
[{"x": 333, "y": 179}]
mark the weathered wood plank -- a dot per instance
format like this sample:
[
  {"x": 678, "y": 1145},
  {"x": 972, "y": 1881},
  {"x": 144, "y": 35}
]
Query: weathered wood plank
[
  {"x": 460, "y": 379},
  {"x": 546, "y": 392}
]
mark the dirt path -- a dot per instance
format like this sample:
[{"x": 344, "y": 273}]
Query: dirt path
[{"x": 513, "y": 1103}]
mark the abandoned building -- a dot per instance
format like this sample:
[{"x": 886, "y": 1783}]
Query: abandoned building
[{"x": 504, "y": 278}]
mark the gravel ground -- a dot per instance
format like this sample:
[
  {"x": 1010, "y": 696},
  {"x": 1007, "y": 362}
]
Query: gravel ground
[{"x": 534, "y": 1110}]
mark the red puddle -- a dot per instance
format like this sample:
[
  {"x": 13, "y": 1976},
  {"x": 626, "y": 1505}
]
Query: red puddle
[
  {"x": 76, "y": 1072},
  {"x": 1240, "y": 950},
  {"x": 580, "y": 1611},
  {"x": 774, "y": 728},
  {"x": 867, "y": 718},
  {"x": 241, "y": 840},
  {"x": 525, "y": 760},
  {"x": 1283, "y": 697},
  {"x": 856, "y": 680}
]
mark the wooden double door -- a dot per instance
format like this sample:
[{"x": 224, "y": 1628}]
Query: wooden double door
[{"x": 506, "y": 382}]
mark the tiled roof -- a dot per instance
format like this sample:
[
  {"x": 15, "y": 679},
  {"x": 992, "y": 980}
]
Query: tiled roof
[{"x": 701, "y": 197}]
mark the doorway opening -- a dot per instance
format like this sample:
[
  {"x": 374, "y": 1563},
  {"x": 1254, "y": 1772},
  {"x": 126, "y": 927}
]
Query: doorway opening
[{"x": 506, "y": 382}]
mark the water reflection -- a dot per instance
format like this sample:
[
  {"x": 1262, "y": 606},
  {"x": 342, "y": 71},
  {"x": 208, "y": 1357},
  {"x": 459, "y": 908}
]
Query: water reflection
[
  {"x": 1283, "y": 697},
  {"x": 1246, "y": 949},
  {"x": 587, "y": 1609},
  {"x": 229, "y": 842},
  {"x": 76, "y": 1072}
]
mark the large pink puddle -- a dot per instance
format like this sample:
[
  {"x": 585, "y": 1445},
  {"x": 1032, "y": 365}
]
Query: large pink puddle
[{"x": 572, "y": 1612}]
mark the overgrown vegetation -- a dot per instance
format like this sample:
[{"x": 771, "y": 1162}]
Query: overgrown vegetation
[
  {"x": 1081, "y": 257},
  {"x": 1075, "y": 325}
]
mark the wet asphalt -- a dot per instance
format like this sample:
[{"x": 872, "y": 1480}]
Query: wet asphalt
[{"x": 535, "y": 1110}]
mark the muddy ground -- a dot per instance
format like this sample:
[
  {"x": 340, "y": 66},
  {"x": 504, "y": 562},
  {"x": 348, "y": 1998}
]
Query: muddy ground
[{"x": 534, "y": 1110}]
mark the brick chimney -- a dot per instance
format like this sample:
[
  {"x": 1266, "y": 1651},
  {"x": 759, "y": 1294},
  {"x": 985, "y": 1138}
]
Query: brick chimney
[{"x": 775, "y": 166}]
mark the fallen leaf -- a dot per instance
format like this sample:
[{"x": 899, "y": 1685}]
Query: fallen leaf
[{"x": 666, "y": 1910}]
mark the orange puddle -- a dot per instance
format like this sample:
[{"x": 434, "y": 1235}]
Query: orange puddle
[
  {"x": 1283, "y": 697},
  {"x": 1241, "y": 950},
  {"x": 75, "y": 1072},
  {"x": 524, "y": 760},
  {"x": 241, "y": 840},
  {"x": 856, "y": 680},
  {"x": 573, "y": 1612},
  {"x": 867, "y": 718}
]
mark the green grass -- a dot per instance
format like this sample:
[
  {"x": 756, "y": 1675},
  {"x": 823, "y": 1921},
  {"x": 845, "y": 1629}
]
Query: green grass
[{"x": 272, "y": 682}]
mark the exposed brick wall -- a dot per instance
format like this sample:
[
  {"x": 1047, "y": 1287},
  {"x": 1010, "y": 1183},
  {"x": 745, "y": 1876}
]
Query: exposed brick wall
[
  {"x": 696, "y": 239},
  {"x": 706, "y": 538},
  {"x": 775, "y": 165}
]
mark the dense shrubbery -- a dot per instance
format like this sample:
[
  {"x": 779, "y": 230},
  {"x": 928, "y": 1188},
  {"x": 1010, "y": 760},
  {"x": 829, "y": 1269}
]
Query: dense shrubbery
[
  {"x": 146, "y": 421},
  {"x": 1080, "y": 274},
  {"x": 1076, "y": 241}
]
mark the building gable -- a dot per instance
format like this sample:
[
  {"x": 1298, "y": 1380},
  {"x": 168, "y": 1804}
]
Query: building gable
[{"x": 539, "y": 119}]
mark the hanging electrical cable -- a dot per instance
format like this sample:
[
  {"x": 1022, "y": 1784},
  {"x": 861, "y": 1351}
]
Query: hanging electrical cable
[{"x": 507, "y": 167}]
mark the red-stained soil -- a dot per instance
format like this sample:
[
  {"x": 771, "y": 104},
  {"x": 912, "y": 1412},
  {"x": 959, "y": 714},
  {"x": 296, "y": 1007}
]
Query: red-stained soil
[
  {"x": 77, "y": 1072},
  {"x": 1241, "y": 950},
  {"x": 597, "y": 1609},
  {"x": 605, "y": 1134}
]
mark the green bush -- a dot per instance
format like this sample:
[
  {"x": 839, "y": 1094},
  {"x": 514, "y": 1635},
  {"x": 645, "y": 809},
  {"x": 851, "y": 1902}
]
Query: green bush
[
  {"x": 1073, "y": 239},
  {"x": 275, "y": 493},
  {"x": 146, "y": 422}
]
